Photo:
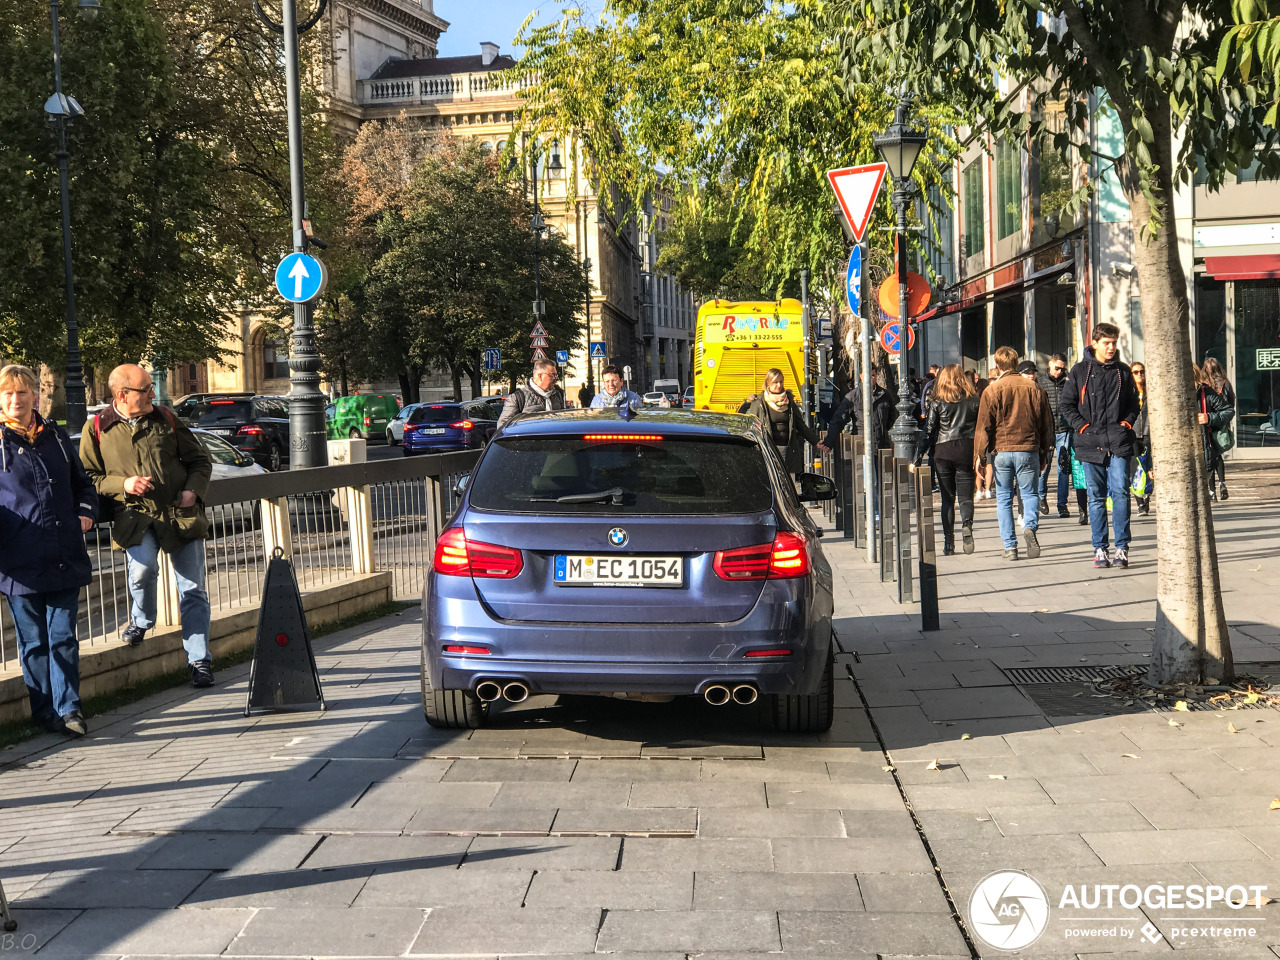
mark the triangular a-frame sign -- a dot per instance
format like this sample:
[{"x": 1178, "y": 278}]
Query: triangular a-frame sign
[{"x": 857, "y": 188}]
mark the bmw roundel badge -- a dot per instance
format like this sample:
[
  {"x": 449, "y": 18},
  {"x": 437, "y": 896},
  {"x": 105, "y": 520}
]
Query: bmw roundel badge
[{"x": 618, "y": 537}]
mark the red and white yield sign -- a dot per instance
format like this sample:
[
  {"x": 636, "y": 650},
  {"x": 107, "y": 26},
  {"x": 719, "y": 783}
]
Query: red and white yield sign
[{"x": 857, "y": 188}]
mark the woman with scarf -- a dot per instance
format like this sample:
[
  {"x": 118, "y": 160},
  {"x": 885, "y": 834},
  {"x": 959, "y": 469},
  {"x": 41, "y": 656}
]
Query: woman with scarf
[
  {"x": 783, "y": 421},
  {"x": 1215, "y": 409},
  {"x": 47, "y": 504},
  {"x": 951, "y": 414},
  {"x": 614, "y": 394}
]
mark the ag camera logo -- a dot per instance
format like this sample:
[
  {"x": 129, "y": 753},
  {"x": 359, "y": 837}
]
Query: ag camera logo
[{"x": 1008, "y": 910}]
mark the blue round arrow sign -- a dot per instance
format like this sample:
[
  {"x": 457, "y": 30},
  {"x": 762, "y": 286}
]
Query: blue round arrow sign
[
  {"x": 300, "y": 278},
  {"x": 853, "y": 281}
]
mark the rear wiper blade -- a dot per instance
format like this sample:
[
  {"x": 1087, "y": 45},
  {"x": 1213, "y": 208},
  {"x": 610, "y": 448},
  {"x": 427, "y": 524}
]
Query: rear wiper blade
[{"x": 613, "y": 494}]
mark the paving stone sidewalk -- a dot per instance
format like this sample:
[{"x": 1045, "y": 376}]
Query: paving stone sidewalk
[{"x": 580, "y": 826}]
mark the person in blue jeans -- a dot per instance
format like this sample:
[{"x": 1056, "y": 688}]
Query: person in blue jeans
[
  {"x": 47, "y": 504},
  {"x": 1100, "y": 402},
  {"x": 1053, "y": 384},
  {"x": 147, "y": 463},
  {"x": 1014, "y": 431}
]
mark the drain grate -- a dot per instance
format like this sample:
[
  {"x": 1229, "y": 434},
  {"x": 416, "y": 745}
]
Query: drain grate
[
  {"x": 1034, "y": 675},
  {"x": 1067, "y": 700}
]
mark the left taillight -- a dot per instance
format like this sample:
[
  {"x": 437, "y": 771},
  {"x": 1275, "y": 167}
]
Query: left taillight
[
  {"x": 459, "y": 557},
  {"x": 787, "y": 557}
]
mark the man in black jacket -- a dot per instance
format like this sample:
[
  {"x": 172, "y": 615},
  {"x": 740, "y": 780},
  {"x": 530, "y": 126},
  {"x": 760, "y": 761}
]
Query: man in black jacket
[
  {"x": 1053, "y": 383},
  {"x": 883, "y": 416},
  {"x": 1100, "y": 404},
  {"x": 537, "y": 396}
]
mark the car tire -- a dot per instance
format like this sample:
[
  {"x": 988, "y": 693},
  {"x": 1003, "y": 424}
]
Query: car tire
[
  {"x": 451, "y": 709},
  {"x": 807, "y": 712},
  {"x": 391, "y": 439},
  {"x": 274, "y": 460}
]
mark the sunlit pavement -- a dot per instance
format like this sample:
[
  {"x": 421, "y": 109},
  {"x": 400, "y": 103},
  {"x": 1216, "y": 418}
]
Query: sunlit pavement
[{"x": 582, "y": 826}]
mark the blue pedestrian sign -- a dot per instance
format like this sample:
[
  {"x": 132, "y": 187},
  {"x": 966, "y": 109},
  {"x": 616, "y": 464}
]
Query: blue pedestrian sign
[
  {"x": 562, "y": 356},
  {"x": 301, "y": 278},
  {"x": 492, "y": 358},
  {"x": 599, "y": 350},
  {"x": 853, "y": 281}
]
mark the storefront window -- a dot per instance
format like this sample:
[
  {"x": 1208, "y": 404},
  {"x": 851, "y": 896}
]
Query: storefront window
[
  {"x": 1008, "y": 188},
  {"x": 1257, "y": 366}
]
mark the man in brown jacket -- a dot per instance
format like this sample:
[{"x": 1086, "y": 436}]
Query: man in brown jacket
[
  {"x": 153, "y": 470},
  {"x": 1015, "y": 432}
]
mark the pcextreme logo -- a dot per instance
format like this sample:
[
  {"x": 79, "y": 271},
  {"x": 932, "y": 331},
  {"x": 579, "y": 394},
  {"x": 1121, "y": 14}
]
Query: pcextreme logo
[{"x": 1008, "y": 910}]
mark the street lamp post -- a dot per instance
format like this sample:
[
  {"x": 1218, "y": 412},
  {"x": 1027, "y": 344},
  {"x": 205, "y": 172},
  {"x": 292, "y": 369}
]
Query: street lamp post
[
  {"x": 306, "y": 402},
  {"x": 554, "y": 167},
  {"x": 900, "y": 145},
  {"x": 61, "y": 110},
  {"x": 591, "y": 364}
]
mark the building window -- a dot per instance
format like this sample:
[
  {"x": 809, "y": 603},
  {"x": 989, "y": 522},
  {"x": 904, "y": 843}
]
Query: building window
[
  {"x": 974, "y": 238},
  {"x": 275, "y": 361},
  {"x": 1008, "y": 188}
]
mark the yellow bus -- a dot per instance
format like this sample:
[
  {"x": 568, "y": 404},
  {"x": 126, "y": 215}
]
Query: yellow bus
[{"x": 735, "y": 343}]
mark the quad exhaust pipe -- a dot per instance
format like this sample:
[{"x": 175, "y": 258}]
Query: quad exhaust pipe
[
  {"x": 490, "y": 690},
  {"x": 718, "y": 694}
]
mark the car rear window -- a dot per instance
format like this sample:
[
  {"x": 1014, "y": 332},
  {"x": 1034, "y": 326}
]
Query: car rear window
[
  {"x": 435, "y": 414},
  {"x": 672, "y": 476},
  {"x": 222, "y": 411}
]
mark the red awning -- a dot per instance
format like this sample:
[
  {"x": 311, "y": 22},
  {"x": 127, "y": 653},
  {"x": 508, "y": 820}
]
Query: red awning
[{"x": 1258, "y": 266}]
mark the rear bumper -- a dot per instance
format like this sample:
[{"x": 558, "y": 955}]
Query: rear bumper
[{"x": 660, "y": 658}]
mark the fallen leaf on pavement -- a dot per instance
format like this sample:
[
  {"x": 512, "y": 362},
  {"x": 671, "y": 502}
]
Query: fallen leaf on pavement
[
  {"x": 980, "y": 819},
  {"x": 1209, "y": 681},
  {"x": 1131, "y": 756},
  {"x": 1181, "y": 707},
  {"x": 1012, "y": 634},
  {"x": 886, "y": 768},
  {"x": 964, "y": 736},
  {"x": 1252, "y": 697},
  {"x": 994, "y": 776},
  {"x": 1258, "y": 900},
  {"x": 1255, "y": 569},
  {"x": 933, "y": 765},
  {"x": 1081, "y": 693},
  {"x": 1275, "y": 804},
  {"x": 1174, "y": 723},
  {"x": 1231, "y": 728}
]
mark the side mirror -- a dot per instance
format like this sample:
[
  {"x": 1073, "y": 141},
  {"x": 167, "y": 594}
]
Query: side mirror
[
  {"x": 814, "y": 488},
  {"x": 244, "y": 462},
  {"x": 460, "y": 487}
]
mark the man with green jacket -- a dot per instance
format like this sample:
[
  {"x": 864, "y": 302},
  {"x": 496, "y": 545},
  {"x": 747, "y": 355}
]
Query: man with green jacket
[{"x": 155, "y": 473}]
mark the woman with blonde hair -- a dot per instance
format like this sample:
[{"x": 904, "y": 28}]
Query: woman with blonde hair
[
  {"x": 783, "y": 421},
  {"x": 950, "y": 420},
  {"x": 47, "y": 504}
]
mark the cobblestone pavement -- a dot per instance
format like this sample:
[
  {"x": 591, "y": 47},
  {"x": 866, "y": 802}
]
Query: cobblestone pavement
[{"x": 584, "y": 826}]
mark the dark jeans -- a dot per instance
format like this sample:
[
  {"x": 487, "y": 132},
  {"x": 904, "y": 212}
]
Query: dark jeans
[
  {"x": 50, "y": 654},
  {"x": 1060, "y": 446},
  {"x": 955, "y": 480}
]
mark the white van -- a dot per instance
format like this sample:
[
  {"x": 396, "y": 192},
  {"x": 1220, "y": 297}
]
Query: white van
[{"x": 671, "y": 388}]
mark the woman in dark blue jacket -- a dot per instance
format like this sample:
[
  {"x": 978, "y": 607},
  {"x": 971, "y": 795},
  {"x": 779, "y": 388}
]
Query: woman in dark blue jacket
[{"x": 47, "y": 504}]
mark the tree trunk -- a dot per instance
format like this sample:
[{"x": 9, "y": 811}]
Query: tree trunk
[
  {"x": 403, "y": 377},
  {"x": 477, "y": 390},
  {"x": 455, "y": 372},
  {"x": 1191, "y": 640},
  {"x": 53, "y": 393}
]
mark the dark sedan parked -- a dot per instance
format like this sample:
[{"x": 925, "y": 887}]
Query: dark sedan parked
[
  {"x": 660, "y": 556},
  {"x": 259, "y": 426},
  {"x": 438, "y": 427}
]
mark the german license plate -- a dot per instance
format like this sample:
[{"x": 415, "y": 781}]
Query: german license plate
[
  {"x": 435, "y": 431},
  {"x": 223, "y": 433},
  {"x": 584, "y": 569}
]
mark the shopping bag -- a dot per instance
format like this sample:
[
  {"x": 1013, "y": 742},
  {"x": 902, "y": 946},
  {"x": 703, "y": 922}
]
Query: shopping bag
[
  {"x": 1140, "y": 480},
  {"x": 1077, "y": 474}
]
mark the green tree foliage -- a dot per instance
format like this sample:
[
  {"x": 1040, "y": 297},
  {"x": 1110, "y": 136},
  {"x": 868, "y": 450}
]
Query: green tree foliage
[
  {"x": 736, "y": 108},
  {"x": 179, "y": 176},
  {"x": 1153, "y": 65},
  {"x": 446, "y": 239},
  {"x": 705, "y": 248}
]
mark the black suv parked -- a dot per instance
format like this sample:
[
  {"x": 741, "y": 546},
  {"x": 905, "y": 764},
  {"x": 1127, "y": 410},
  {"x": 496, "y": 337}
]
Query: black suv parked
[{"x": 257, "y": 425}]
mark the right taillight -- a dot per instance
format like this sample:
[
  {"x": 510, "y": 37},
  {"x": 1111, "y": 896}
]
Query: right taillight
[
  {"x": 457, "y": 556},
  {"x": 785, "y": 558}
]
